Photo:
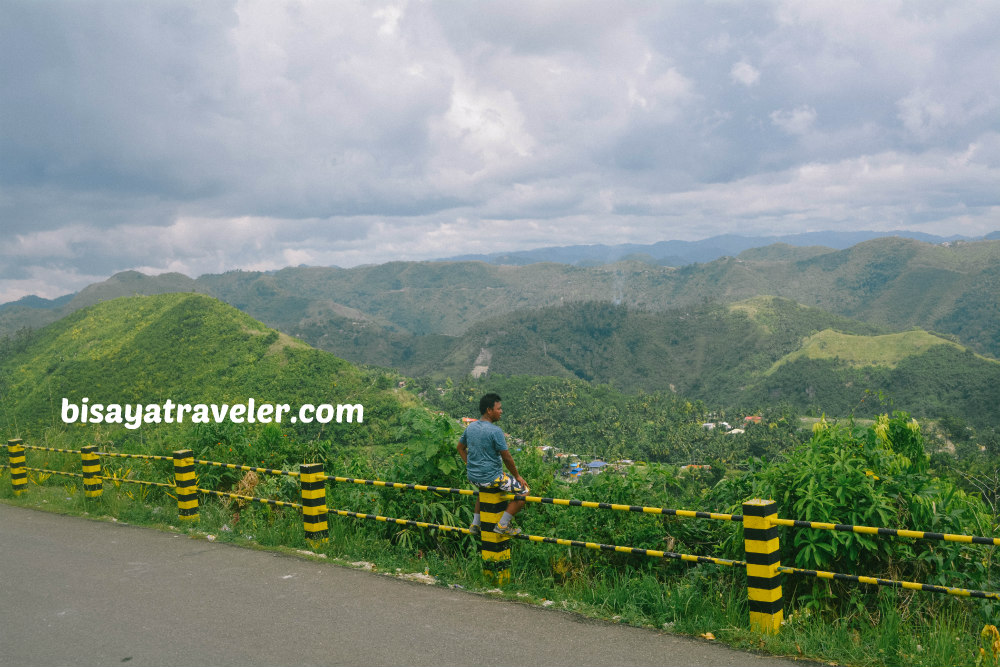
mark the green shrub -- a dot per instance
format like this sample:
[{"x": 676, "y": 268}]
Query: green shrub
[{"x": 875, "y": 476}]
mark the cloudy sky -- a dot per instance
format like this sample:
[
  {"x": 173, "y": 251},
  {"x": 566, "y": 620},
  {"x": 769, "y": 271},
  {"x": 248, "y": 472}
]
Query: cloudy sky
[{"x": 205, "y": 136}]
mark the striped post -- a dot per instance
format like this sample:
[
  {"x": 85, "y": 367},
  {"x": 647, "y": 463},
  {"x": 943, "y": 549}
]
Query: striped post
[
  {"x": 494, "y": 548},
  {"x": 314, "y": 517},
  {"x": 18, "y": 467},
  {"x": 760, "y": 541},
  {"x": 93, "y": 485},
  {"x": 186, "y": 485}
]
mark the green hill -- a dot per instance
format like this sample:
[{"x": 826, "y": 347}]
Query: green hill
[
  {"x": 631, "y": 324},
  {"x": 187, "y": 348}
]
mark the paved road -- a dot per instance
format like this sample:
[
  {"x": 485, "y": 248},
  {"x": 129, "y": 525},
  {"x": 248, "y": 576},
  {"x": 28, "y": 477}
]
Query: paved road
[{"x": 80, "y": 592}]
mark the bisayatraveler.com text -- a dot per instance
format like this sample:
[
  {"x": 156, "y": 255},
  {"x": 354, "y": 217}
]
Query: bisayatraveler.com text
[{"x": 134, "y": 415}]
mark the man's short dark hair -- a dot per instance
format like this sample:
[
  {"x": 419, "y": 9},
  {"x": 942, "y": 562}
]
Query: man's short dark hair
[{"x": 487, "y": 402}]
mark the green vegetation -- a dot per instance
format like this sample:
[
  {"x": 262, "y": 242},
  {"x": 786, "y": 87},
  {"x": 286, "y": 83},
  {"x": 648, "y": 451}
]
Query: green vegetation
[
  {"x": 822, "y": 478},
  {"x": 703, "y": 350},
  {"x": 588, "y": 377},
  {"x": 944, "y": 382},
  {"x": 187, "y": 348},
  {"x": 745, "y": 357},
  {"x": 598, "y": 421},
  {"x": 876, "y": 476},
  {"x": 637, "y": 326}
]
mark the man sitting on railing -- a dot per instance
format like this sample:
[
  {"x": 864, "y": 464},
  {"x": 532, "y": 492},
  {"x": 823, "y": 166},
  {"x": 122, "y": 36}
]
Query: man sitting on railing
[{"x": 483, "y": 447}]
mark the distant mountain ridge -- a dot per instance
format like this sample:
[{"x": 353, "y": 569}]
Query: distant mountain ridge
[
  {"x": 392, "y": 314},
  {"x": 666, "y": 253},
  {"x": 680, "y": 253},
  {"x": 32, "y": 301}
]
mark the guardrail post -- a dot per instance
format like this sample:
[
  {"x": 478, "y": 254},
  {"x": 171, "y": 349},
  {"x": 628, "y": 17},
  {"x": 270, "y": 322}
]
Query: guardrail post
[
  {"x": 186, "y": 485},
  {"x": 314, "y": 516},
  {"x": 760, "y": 541},
  {"x": 494, "y": 548},
  {"x": 93, "y": 485},
  {"x": 18, "y": 469}
]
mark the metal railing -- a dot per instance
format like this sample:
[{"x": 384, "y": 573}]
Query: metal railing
[{"x": 759, "y": 519}]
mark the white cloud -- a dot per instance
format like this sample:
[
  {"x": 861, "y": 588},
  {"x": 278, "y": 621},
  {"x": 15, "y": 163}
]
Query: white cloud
[
  {"x": 658, "y": 86},
  {"x": 390, "y": 17},
  {"x": 797, "y": 121},
  {"x": 745, "y": 73},
  {"x": 47, "y": 282},
  {"x": 487, "y": 125},
  {"x": 921, "y": 113}
]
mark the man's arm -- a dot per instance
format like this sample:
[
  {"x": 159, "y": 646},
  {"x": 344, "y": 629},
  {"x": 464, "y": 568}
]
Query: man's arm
[
  {"x": 509, "y": 462},
  {"x": 463, "y": 451}
]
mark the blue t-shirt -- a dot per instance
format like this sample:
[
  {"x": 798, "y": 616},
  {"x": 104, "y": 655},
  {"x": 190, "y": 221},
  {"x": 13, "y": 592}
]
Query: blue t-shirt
[{"x": 484, "y": 441}]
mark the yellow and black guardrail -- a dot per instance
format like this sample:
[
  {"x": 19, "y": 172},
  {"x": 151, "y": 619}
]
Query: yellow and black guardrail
[
  {"x": 888, "y": 532},
  {"x": 759, "y": 519},
  {"x": 876, "y": 581},
  {"x": 184, "y": 485}
]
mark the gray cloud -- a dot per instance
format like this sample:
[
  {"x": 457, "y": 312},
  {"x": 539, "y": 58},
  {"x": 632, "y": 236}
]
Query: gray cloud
[{"x": 201, "y": 137}]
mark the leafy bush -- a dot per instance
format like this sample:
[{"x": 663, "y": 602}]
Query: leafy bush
[{"x": 874, "y": 476}]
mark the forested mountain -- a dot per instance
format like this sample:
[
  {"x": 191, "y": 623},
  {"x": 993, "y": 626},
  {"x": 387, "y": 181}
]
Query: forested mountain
[
  {"x": 745, "y": 355},
  {"x": 684, "y": 349},
  {"x": 893, "y": 282},
  {"x": 757, "y": 352},
  {"x": 704, "y": 331}
]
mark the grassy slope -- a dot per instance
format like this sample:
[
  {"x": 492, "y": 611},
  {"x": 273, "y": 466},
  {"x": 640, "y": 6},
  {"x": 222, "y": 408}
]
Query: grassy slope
[
  {"x": 885, "y": 350},
  {"x": 182, "y": 347}
]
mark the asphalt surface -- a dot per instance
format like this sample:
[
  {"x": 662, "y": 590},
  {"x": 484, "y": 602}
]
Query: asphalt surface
[{"x": 79, "y": 592}]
